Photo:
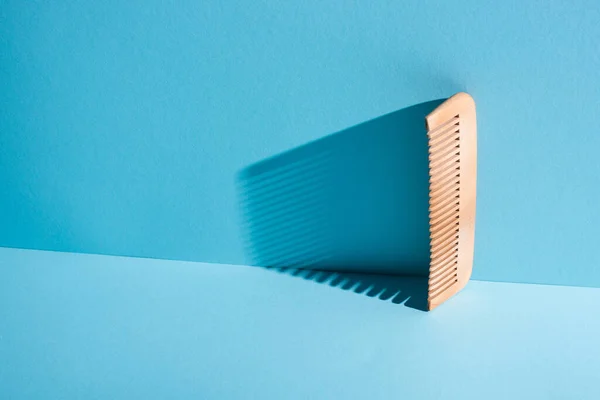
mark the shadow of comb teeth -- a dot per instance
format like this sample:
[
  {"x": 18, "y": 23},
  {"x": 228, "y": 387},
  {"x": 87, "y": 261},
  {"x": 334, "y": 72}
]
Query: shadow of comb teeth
[
  {"x": 355, "y": 201},
  {"x": 285, "y": 211},
  {"x": 410, "y": 291}
]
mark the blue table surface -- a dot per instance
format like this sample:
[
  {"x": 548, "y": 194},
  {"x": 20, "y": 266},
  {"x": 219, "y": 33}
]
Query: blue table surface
[{"x": 75, "y": 326}]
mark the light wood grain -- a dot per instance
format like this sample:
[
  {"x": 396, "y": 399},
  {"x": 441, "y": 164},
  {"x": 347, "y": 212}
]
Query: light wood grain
[{"x": 452, "y": 132}]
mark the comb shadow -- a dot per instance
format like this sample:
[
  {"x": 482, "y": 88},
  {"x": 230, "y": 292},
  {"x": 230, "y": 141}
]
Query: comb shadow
[
  {"x": 353, "y": 202},
  {"x": 410, "y": 291}
]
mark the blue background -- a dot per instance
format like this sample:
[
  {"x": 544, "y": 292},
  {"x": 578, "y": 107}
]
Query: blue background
[
  {"x": 124, "y": 125},
  {"x": 102, "y": 327}
]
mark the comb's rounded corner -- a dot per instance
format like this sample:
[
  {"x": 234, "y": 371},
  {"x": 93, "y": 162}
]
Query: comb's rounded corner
[
  {"x": 467, "y": 277},
  {"x": 464, "y": 97},
  {"x": 457, "y": 104},
  {"x": 462, "y": 282}
]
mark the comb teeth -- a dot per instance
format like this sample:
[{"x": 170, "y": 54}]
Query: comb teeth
[
  {"x": 444, "y": 205},
  {"x": 452, "y": 134}
]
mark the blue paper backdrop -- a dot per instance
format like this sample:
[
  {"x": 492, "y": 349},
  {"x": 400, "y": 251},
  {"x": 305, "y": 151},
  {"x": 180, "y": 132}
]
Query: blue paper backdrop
[{"x": 125, "y": 125}]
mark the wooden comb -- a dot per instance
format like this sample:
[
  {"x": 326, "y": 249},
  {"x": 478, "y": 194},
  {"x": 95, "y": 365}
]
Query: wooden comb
[{"x": 452, "y": 133}]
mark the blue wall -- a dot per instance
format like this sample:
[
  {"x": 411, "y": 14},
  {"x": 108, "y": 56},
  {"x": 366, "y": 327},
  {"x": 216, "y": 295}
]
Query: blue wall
[{"x": 124, "y": 125}]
